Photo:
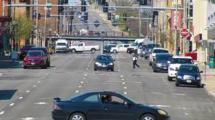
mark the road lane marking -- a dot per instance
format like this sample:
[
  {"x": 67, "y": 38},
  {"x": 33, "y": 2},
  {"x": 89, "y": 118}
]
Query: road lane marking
[
  {"x": 41, "y": 103},
  {"x": 27, "y": 91},
  {"x": 162, "y": 106},
  {"x": 28, "y": 118},
  {"x": 125, "y": 87},
  {"x": 1, "y": 74},
  {"x": 38, "y": 82},
  {"x": 122, "y": 79},
  {"x": 2, "y": 112},
  {"x": 85, "y": 75},
  {"x": 20, "y": 98},
  {"x": 125, "y": 93},
  {"x": 123, "y": 83},
  {"x": 121, "y": 76},
  {"x": 82, "y": 82},
  {"x": 186, "y": 114},
  {"x": 179, "y": 94},
  {"x": 34, "y": 86},
  {"x": 79, "y": 86},
  {"x": 84, "y": 78},
  {"x": 12, "y": 104},
  {"x": 77, "y": 91}
]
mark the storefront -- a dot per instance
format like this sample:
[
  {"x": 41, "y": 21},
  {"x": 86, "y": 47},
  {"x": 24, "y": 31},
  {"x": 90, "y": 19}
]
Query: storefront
[{"x": 4, "y": 35}]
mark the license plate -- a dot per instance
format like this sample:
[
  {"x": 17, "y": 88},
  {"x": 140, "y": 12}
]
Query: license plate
[
  {"x": 189, "y": 81},
  {"x": 32, "y": 63}
]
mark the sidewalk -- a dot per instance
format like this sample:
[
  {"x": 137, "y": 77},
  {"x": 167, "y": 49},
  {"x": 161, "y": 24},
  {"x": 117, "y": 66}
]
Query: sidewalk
[
  {"x": 103, "y": 15},
  {"x": 208, "y": 78},
  {"x": 6, "y": 62}
]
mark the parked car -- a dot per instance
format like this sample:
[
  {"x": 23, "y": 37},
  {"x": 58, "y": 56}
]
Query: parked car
[
  {"x": 104, "y": 61},
  {"x": 160, "y": 62},
  {"x": 82, "y": 47},
  {"x": 188, "y": 74},
  {"x": 148, "y": 49},
  {"x": 108, "y": 47},
  {"x": 132, "y": 48},
  {"x": 35, "y": 58},
  {"x": 156, "y": 51},
  {"x": 175, "y": 64},
  {"x": 24, "y": 51},
  {"x": 119, "y": 48},
  {"x": 104, "y": 105},
  {"x": 61, "y": 45},
  {"x": 45, "y": 50}
]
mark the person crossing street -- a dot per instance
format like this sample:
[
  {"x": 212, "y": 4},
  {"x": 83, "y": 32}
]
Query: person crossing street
[{"x": 135, "y": 57}]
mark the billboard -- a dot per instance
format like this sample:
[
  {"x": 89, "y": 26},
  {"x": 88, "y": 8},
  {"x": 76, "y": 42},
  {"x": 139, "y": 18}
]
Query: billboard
[{"x": 176, "y": 20}]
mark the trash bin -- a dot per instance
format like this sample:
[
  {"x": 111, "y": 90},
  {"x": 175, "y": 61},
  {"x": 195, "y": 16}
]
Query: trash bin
[{"x": 211, "y": 62}]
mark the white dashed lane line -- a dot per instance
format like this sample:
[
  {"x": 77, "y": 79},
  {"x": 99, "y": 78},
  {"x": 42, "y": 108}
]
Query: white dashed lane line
[
  {"x": 34, "y": 86},
  {"x": 1, "y": 74},
  {"x": 41, "y": 103},
  {"x": 77, "y": 91},
  {"x": 27, "y": 91},
  {"x": 12, "y": 104},
  {"x": 2, "y": 113},
  {"x": 28, "y": 118},
  {"x": 20, "y": 98}
]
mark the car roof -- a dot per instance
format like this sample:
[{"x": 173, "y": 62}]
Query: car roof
[
  {"x": 35, "y": 51},
  {"x": 185, "y": 57},
  {"x": 159, "y": 48}
]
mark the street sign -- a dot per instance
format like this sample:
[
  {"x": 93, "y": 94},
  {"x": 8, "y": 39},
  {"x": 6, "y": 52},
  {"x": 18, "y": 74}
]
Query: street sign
[
  {"x": 184, "y": 32},
  {"x": 96, "y": 23}
]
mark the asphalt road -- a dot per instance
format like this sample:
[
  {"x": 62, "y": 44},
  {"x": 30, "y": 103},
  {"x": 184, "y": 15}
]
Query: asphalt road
[{"x": 26, "y": 94}]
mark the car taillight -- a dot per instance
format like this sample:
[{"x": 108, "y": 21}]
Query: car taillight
[{"x": 25, "y": 59}]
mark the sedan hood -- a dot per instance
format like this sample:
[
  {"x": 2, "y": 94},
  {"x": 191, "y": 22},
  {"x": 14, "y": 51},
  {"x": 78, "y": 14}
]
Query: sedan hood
[{"x": 104, "y": 62}]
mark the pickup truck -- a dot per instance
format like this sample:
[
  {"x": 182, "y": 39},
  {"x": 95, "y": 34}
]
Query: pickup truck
[
  {"x": 119, "y": 48},
  {"x": 82, "y": 47}
]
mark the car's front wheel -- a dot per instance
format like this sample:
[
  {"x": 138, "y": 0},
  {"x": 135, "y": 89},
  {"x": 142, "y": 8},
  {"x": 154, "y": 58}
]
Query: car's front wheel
[
  {"x": 148, "y": 117},
  {"x": 169, "y": 78},
  {"x": 77, "y": 116}
]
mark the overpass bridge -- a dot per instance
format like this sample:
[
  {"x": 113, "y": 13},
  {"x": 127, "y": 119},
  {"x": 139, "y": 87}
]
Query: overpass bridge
[{"x": 91, "y": 38}]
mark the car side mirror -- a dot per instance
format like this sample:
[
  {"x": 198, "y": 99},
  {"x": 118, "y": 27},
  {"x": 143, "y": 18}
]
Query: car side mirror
[{"x": 57, "y": 99}]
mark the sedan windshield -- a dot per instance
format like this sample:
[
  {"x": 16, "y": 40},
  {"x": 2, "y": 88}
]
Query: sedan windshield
[
  {"x": 181, "y": 61},
  {"x": 34, "y": 54},
  {"x": 104, "y": 58},
  {"x": 160, "y": 51},
  {"x": 188, "y": 69},
  {"x": 163, "y": 57}
]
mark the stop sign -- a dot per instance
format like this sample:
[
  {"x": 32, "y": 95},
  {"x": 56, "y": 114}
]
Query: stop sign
[{"x": 184, "y": 32}]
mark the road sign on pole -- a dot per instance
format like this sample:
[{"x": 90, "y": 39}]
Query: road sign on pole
[{"x": 184, "y": 32}]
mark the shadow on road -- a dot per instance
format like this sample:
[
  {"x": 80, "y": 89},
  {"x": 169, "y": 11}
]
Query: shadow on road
[
  {"x": 6, "y": 63},
  {"x": 7, "y": 94}
]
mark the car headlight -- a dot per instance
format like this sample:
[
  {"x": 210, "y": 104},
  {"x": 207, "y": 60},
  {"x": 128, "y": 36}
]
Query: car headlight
[
  {"x": 198, "y": 78},
  {"x": 159, "y": 64},
  {"x": 162, "y": 112},
  {"x": 110, "y": 64},
  {"x": 99, "y": 64},
  {"x": 179, "y": 77}
]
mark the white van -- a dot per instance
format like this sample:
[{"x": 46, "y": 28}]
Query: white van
[{"x": 61, "y": 45}]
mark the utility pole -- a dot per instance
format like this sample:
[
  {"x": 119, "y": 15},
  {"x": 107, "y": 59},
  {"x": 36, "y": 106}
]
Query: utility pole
[
  {"x": 45, "y": 20},
  {"x": 176, "y": 29},
  {"x": 140, "y": 22}
]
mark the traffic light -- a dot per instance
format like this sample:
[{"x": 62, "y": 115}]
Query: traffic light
[
  {"x": 83, "y": 8},
  {"x": 48, "y": 13},
  {"x": 155, "y": 18},
  {"x": 105, "y": 7},
  {"x": 143, "y": 2},
  {"x": 86, "y": 16},
  {"x": 125, "y": 16}
]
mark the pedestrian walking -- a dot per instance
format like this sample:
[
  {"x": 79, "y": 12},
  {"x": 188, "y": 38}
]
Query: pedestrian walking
[{"x": 135, "y": 57}]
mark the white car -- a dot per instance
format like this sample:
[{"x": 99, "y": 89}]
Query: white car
[
  {"x": 156, "y": 51},
  {"x": 119, "y": 48},
  {"x": 175, "y": 64},
  {"x": 82, "y": 47}
]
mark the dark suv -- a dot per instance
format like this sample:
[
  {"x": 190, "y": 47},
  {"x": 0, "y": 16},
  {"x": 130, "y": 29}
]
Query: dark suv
[
  {"x": 160, "y": 62},
  {"x": 24, "y": 51}
]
